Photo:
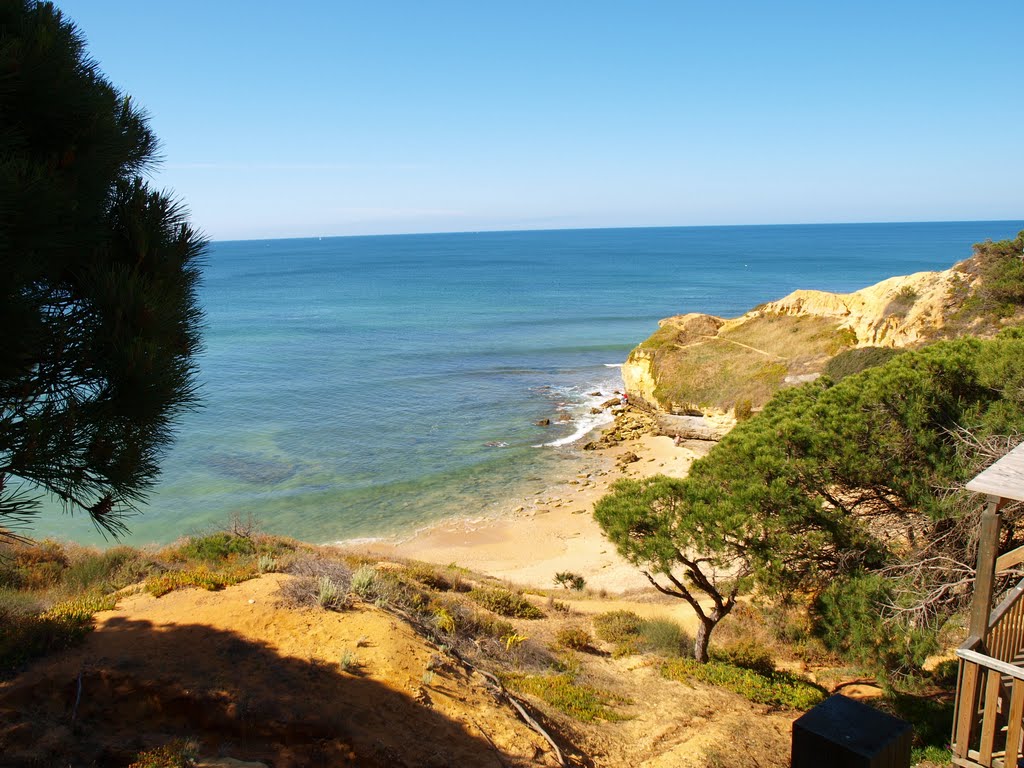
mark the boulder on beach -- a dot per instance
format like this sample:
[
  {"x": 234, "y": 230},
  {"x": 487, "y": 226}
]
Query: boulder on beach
[{"x": 543, "y": 423}]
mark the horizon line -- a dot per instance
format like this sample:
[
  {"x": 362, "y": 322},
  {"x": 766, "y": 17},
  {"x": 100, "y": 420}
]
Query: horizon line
[{"x": 610, "y": 228}]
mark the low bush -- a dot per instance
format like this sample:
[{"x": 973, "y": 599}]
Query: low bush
[
  {"x": 35, "y": 566},
  {"x": 574, "y": 639},
  {"x": 632, "y": 634},
  {"x": 506, "y": 603},
  {"x": 665, "y": 637},
  {"x": 617, "y": 626},
  {"x": 365, "y": 583},
  {"x": 317, "y": 583},
  {"x": 851, "y": 361},
  {"x": 330, "y": 595},
  {"x": 105, "y": 571},
  {"x": 437, "y": 579},
  {"x": 215, "y": 547},
  {"x": 561, "y": 691},
  {"x": 203, "y": 577},
  {"x": 777, "y": 689},
  {"x": 25, "y": 636},
  {"x": 932, "y": 719},
  {"x": 748, "y": 654}
]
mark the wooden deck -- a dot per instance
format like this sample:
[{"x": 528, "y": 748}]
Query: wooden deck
[{"x": 988, "y": 721}]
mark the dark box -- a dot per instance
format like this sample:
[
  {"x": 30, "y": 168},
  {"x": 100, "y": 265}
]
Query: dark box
[{"x": 843, "y": 733}]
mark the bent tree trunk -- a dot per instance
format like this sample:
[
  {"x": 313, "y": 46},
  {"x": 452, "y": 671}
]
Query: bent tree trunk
[
  {"x": 708, "y": 622},
  {"x": 700, "y": 642}
]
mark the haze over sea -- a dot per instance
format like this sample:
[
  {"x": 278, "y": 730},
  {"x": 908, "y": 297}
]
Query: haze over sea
[{"x": 365, "y": 386}]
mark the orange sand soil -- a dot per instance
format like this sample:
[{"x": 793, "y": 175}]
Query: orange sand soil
[{"x": 249, "y": 678}]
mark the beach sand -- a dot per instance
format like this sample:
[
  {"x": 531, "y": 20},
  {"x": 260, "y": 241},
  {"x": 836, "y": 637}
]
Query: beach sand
[{"x": 554, "y": 530}]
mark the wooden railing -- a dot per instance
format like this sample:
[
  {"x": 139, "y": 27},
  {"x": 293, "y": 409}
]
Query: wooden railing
[{"x": 988, "y": 720}]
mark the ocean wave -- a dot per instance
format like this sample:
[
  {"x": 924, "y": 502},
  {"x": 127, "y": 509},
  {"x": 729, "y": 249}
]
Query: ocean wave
[
  {"x": 579, "y": 400},
  {"x": 583, "y": 428}
]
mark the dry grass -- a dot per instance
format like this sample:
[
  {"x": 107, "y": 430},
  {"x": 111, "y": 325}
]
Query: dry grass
[{"x": 744, "y": 363}]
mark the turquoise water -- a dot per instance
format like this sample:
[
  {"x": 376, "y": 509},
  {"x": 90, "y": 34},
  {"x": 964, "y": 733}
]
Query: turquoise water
[{"x": 362, "y": 386}]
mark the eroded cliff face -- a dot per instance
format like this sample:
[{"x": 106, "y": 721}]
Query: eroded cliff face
[
  {"x": 787, "y": 341},
  {"x": 897, "y": 312}
]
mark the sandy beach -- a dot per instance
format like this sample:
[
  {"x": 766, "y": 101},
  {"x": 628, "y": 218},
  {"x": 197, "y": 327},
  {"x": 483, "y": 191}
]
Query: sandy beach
[{"x": 554, "y": 530}]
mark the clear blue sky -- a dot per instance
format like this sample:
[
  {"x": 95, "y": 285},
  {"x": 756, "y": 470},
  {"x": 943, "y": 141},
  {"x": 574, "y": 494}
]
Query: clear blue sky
[{"x": 330, "y": 118}]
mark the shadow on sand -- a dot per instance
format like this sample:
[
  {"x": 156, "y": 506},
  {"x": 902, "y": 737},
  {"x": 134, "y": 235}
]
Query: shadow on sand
[{"x": 142, "y": 686}]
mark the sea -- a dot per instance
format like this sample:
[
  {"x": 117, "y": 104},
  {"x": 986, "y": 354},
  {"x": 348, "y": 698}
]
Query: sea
[{"x": 365, "y": 387}]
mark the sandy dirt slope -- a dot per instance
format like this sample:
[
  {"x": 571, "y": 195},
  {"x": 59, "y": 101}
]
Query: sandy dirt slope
[{"x": 255, "y": 681}]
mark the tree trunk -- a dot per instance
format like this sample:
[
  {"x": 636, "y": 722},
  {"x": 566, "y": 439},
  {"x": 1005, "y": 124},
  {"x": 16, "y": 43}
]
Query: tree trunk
[{"x": 700, "y": 642}]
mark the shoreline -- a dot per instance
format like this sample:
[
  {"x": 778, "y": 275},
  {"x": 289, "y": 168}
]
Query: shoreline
[{"x": 552, "y": 530}]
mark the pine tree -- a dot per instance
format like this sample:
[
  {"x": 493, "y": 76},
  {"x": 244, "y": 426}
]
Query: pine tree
[{"x": 99, "y": 320}]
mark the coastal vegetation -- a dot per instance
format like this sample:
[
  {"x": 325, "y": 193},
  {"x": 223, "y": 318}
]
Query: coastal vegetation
[
  {"x": 98, "y": 302},
  {"x": 842, "y": 496},
  {"x": 697, "y": 363}
]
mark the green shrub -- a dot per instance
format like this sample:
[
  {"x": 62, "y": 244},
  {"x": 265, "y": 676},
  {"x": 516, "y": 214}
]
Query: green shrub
[
  {"x": 779, "y": 689},
  {"x": 932, "y": 719},
  {"x": 849, "y": 620},
  {"x": 15, "y": 601},
  {"x": 330, "y": 595},
  {"x": 574, "y": 638},
  {"x": 617, "y": 626},
  {"x": 561, "y": 691},
  {"x": 853, "y": 361},
  {"x": 203, "y": 577},
  {"x": 105, "y": 571},
  {"x": 364, "y": 583},
  {"x": 506, "y": 603},
  {"x": 743, "y": 409},
  {"x": 999, "y": 264},
  {"x": 436, "y": 578},
  {"x": 748, "y": 654},
  {"x": 216, "y": 547},
  {"x": 25, "y": 636},
  {"x": 665, "y": 637}
]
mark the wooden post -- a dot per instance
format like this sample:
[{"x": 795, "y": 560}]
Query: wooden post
[{"x": 988, "y": 548}]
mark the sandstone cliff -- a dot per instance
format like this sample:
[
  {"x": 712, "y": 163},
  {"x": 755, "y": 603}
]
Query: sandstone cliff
[{"x": 695, "y": 363}]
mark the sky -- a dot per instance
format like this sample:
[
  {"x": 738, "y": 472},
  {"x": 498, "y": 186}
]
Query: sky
[{"x": 337, "y": 118}]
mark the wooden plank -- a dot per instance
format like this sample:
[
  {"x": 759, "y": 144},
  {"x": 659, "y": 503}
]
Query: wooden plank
[
  {"x": 965, "y": 707},
  {"x": 989, "y": 717},
  {"x": 1005, "y": 478},
  {"x": 965, "y": 763},
  {"x": 1009, "y": 559},
  {"x": 1002, "y": 667},
  {"x": 1014, "y": 724}
]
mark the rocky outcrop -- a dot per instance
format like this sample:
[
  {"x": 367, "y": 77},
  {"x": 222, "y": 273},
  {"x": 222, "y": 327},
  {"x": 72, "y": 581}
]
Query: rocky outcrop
[
  {"x": 630, "y": 423},
  {"x": 697, "y": 361},
  {"x": 896, "y": 312}
]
